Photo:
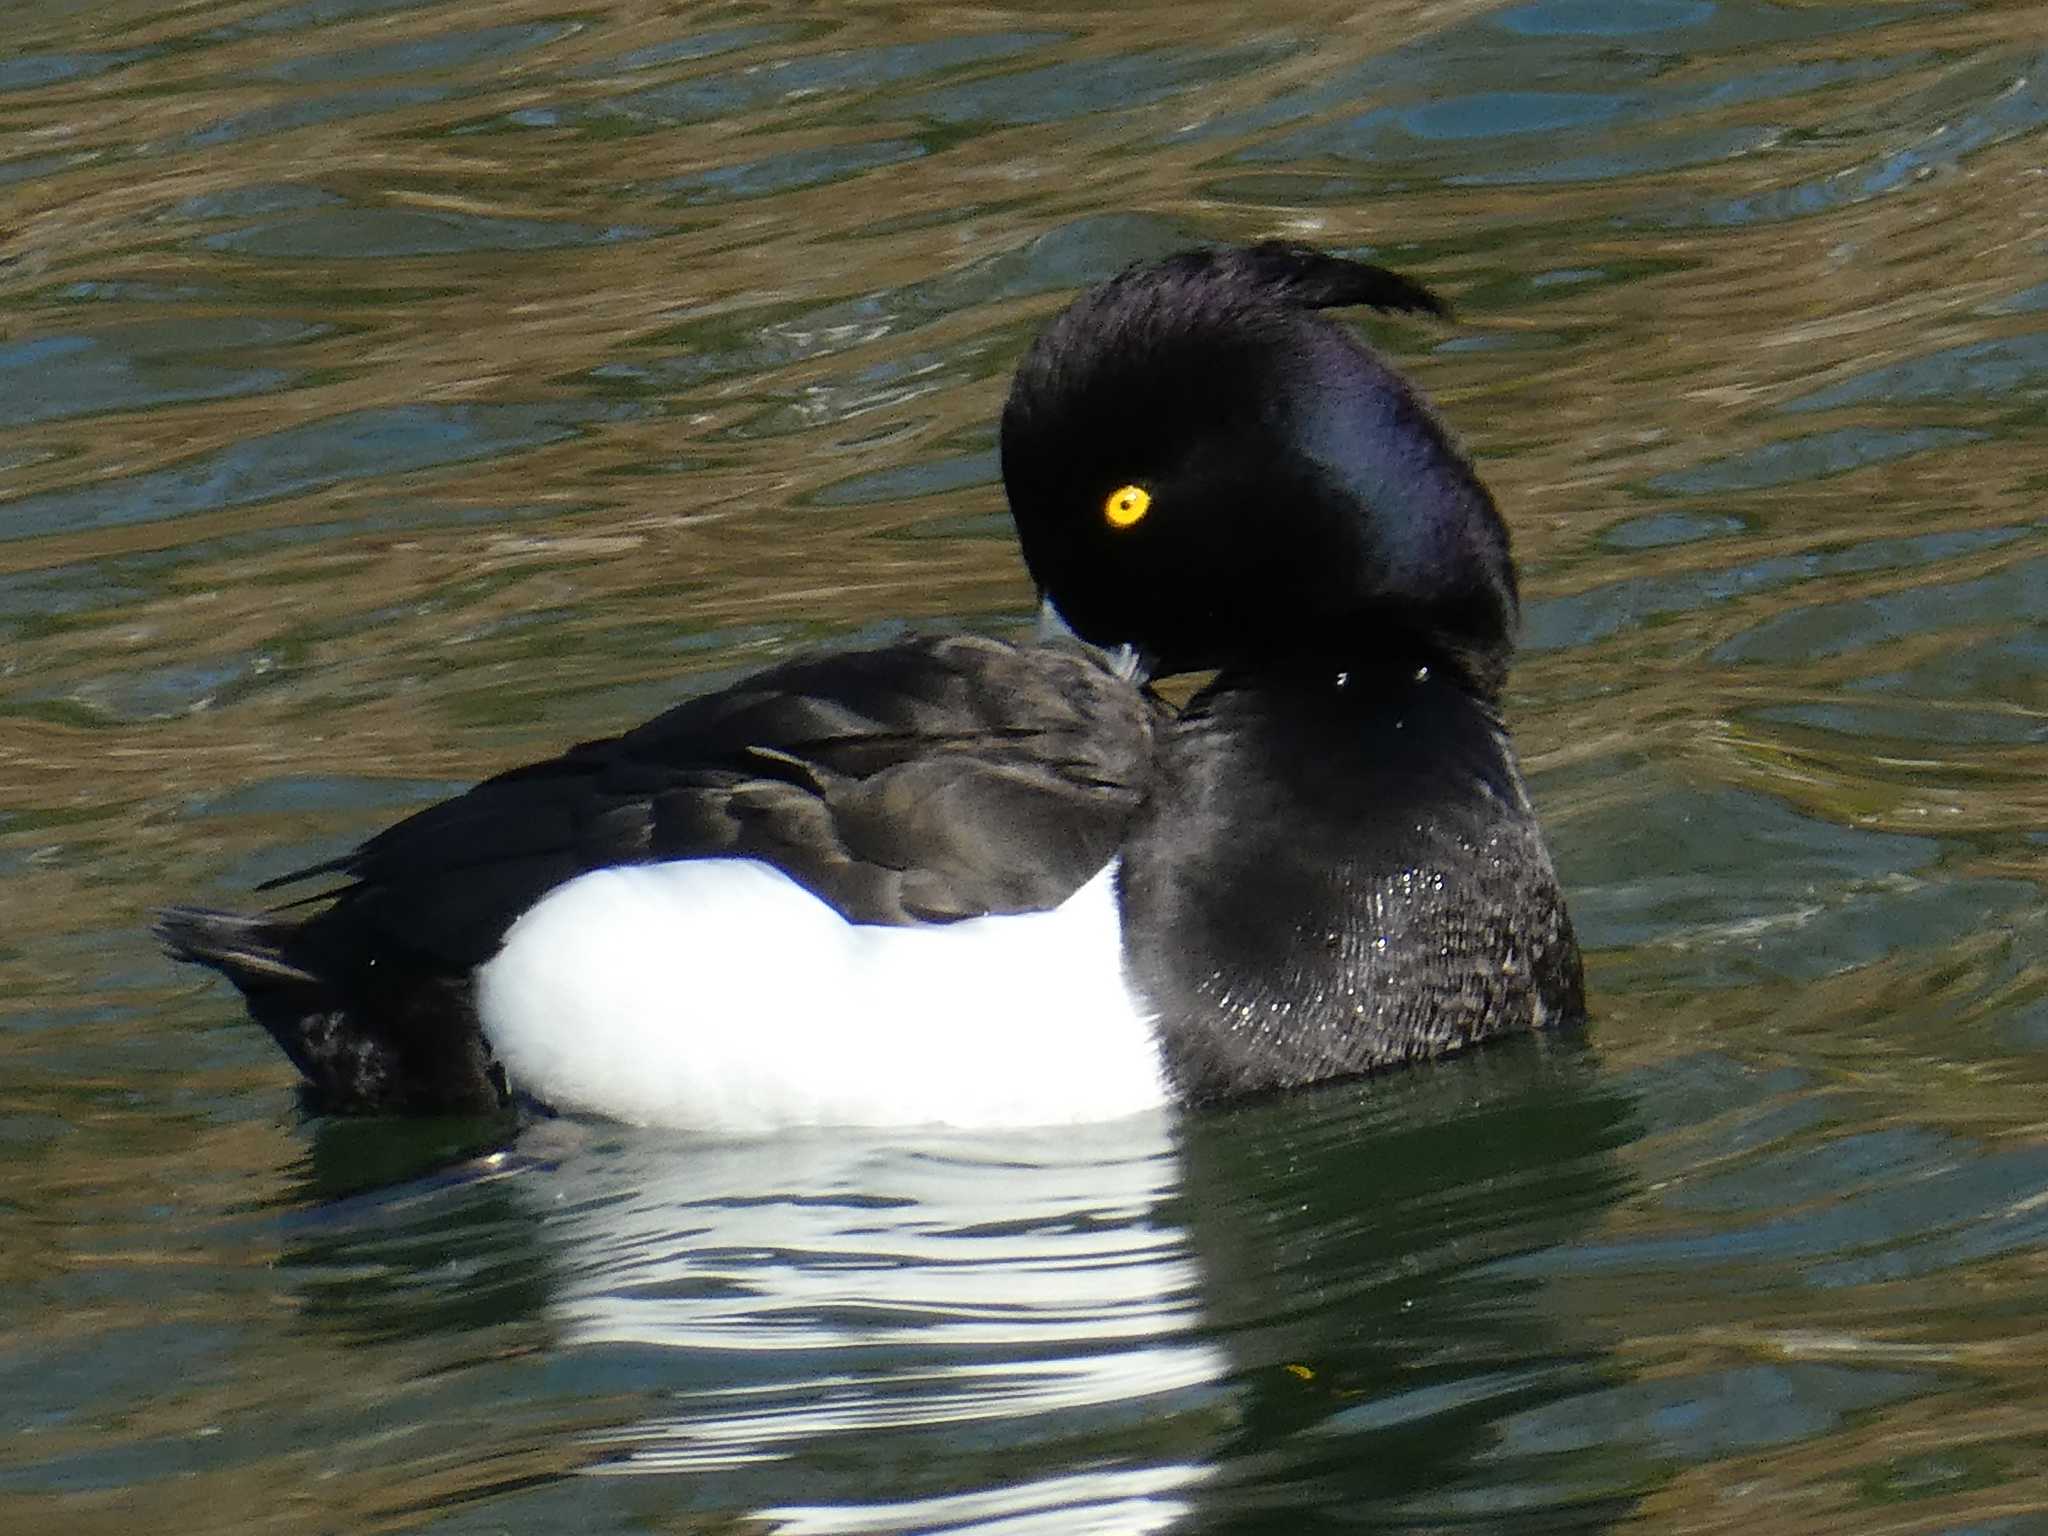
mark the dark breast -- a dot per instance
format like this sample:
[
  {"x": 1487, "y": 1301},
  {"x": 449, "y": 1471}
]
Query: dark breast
[{"x": 1397, "y": 903}]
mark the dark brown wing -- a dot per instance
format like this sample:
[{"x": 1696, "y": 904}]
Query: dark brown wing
[{"x": 927, "y": 781}]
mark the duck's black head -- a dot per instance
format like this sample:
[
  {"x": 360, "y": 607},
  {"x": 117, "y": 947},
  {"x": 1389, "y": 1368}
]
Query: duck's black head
[{"x": 1204, "y": 468}]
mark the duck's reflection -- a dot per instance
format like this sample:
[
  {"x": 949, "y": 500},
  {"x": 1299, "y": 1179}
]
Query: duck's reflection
[
  {"x": 1205, "y": 1322},
  {"x": 1352, "y": 1243},
  {"x": 843, "y": 1315}
]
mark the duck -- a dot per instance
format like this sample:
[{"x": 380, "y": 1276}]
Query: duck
[{"x": 969, "y": 881}]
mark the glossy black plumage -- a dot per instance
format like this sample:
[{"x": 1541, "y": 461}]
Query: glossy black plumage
[
  {"x": 1338, "y": 867},
  {"x": 1309, "y": 507},
  {"x": 1329, "y": 863}
]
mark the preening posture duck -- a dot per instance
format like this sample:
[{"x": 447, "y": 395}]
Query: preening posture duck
[{"x": 961, "y": 881}]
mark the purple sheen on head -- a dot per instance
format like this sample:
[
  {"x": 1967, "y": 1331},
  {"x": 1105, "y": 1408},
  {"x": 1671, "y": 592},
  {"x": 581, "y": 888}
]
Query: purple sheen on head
[
  {"x": 1431, "y": 532},
  {"x": 1307, "y": 506}
]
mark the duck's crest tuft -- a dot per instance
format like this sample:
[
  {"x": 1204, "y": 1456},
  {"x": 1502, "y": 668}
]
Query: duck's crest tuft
[{"x": 1311, "y": 279}]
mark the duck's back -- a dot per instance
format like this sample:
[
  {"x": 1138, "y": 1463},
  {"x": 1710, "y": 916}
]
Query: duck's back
[{"x": 923, "y": 783}]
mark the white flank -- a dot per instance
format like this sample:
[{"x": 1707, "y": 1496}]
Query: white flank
[{"x": 720, "y": 995}]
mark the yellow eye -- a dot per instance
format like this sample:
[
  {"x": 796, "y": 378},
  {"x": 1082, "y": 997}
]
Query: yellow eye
[{"x": 1127, "y": 505}]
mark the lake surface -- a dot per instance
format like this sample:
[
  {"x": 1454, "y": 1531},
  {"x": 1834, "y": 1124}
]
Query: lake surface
[{"x": 391, "y": 392}]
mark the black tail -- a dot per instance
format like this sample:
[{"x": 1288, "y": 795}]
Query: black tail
[
  {"x": 249, "y": 951},
  {"x": 364, "y": 1048}
]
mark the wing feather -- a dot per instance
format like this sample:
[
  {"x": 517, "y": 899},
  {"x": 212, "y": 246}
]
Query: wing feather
[{"x": 928, "y": 781}]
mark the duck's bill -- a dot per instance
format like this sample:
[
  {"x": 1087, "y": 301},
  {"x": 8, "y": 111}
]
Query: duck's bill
[{"x": 1128, "y": 661}]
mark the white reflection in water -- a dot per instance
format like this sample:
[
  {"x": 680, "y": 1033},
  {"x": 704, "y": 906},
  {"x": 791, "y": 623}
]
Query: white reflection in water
[
  {"x": 1129, "y": 1503},
  {"x": 954, "y": 1297}
]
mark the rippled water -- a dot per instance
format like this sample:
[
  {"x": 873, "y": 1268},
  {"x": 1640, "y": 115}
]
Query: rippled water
[{"x": 391, "y": 391}]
